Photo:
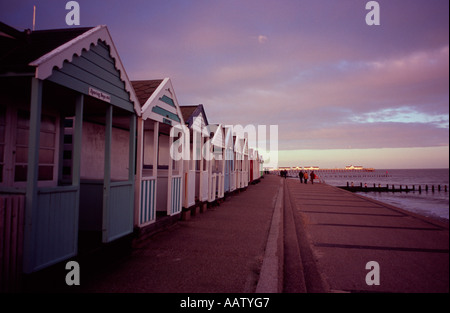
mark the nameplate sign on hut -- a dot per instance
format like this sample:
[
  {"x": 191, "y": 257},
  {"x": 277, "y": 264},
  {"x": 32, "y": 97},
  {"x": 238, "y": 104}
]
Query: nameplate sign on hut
[{"x": 99, "y": 95}]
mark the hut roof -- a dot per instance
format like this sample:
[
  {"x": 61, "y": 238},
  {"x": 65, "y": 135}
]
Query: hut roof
[{"x": 145, "y": 88}]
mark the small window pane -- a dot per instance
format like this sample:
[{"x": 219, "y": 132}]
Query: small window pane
[
  {"x": 46, "y": 156},
  {"x": 45, "y": 173},
  {"x": 68, "y": 123},
  {"x": 20, "y": 173},
  {"x": 23, "y": 119},
  {"x": 67, "y": 155},
  {"x": 22, "y": 137},
  {"x": 48, "y": 123},
  {"x": 67, "y": 171},
  {"x": 47, "y": 140},
  {"x": 68, "y": 139},
  {"x": 21, "y": 155}
]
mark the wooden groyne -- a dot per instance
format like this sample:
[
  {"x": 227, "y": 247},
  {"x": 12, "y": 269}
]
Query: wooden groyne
[{"x": 393, "y": 188}]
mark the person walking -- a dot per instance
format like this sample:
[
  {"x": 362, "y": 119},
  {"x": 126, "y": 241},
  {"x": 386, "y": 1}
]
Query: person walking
[
  {"x": 300, "y": 175},
  {"x": 313, "y": 175},
  {"x": 305, "y": 177}
]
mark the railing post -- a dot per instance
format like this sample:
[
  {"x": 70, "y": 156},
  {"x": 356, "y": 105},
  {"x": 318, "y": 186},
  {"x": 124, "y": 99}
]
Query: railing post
[{"x": 32, "y": 173}]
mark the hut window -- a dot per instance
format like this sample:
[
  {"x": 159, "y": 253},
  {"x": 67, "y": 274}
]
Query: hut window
[{"x": 47, "y": 142}]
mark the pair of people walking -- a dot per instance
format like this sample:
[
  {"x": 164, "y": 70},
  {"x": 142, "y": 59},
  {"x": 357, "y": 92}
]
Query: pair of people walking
[{"x": 304, "y": 177}]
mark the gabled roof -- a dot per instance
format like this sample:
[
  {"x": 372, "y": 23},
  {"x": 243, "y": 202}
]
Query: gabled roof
[
  {"x": 145, "y": 88},
  {"x": 158, "y": 101},
  {"x": 39, "y": 52},
  {"x": 219, "y": 137},
  {"x": 19, "y": 49},
  {"x": 190, "y": 112},
  {"x": 241, "y": 145}
]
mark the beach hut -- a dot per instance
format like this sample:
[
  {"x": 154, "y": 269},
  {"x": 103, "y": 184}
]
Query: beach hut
[
  {"x": 238, "y": 161},
  {"x": 196, "y": 170},
  {"x": 159, "y": 174},
  {"x": 245, "y": 162},
  {"x": 67, "y": 141},
  {"x": 255, "y": 166},
  {"x": 216, "y": 162},
  {"x": 261, "y": 165},
  {"x": 241, "y": 163},
  {"x": 230, "y": 159},
  {"x": 251, "y": 161}
]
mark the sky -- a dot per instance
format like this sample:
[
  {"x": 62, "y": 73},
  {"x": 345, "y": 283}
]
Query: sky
[{"x": 340, "y": 91}]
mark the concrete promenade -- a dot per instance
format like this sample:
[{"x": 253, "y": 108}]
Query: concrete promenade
[
  {"x": 279, "y": 236},
  {"x": 218, "y": 251},
  {"x": 339, "y": 233}
]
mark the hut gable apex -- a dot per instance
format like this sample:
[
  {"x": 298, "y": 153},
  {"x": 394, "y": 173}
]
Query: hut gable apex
[
  {"x": 66, "y": 52},
  {"x": 219, "y": 137},
  {"x": 229, "y": 137},
  {"x": 161, "y": 103},
  {"x": 194, "y": 114}
]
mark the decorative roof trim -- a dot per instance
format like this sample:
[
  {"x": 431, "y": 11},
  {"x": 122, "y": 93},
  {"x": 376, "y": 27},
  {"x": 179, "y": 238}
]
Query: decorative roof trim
[
  {"x": 55, "y": 58},
  {"x": 146, "y": 110}
]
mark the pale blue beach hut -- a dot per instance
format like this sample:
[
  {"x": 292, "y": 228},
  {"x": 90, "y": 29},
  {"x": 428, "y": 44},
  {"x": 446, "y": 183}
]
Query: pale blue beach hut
[{"x": 67, "y": 141}]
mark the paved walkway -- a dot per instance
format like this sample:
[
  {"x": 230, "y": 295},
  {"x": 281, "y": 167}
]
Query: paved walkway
[
  {"x": 218, "y": 251},
  {"x": 281, "y": 236},
  {"x": 340, "y": 232}
]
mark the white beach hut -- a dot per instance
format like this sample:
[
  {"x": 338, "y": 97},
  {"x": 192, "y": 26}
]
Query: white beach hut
[
  {"x": 196, "y": 170},
  {"x": 230, "y": 161},
  {"x": 216, "y": 162},
  {"x": 159, "y": 174}
]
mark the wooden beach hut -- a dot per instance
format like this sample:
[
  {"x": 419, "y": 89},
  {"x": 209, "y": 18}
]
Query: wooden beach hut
[
  {"x": 242, "y": 163},
  {"x": 216, "y": 162},
  {"x": 255, "y": 166},
  {"x": 251, "y": 157},
  {"x": 196, "y": 170},
  {"x": 67, "y": 141},
  {"x": 230, "y": 160},
  {"x": 159, "y": 176}
]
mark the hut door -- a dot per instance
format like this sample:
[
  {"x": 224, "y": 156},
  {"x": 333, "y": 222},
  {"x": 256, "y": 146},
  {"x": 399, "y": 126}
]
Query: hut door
[{"x": 118, "y": 186}]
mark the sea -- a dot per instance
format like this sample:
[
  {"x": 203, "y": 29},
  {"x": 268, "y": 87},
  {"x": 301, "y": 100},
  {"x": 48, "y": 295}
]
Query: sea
[{"x": 427, "y": 203}]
